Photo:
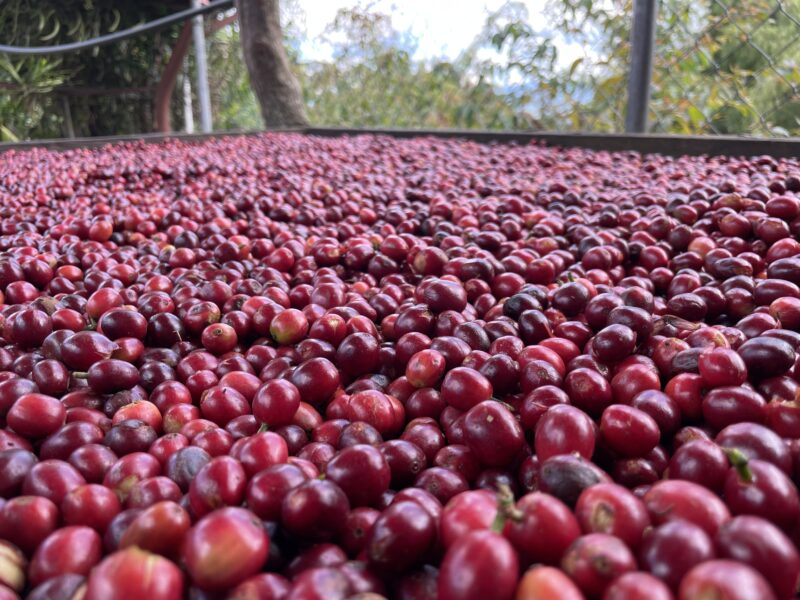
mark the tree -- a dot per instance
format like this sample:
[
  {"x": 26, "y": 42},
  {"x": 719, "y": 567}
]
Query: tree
[
  {"x": 271, "y": 76},
  {"x": 374, "y": 80},
  {"x": 720, "y": 66},
  {"x": 105, "y": 90}
]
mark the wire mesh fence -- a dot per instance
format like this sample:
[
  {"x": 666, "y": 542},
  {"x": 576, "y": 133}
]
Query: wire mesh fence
[
  {"x": 717, "y": 67},
  {"x": 727, "y": 66}
]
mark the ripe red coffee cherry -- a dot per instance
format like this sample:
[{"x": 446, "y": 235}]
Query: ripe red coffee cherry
[
  {"x": 761, "y": 545},
  {"x": 400, "y": 536},
  {"x": 316, "y": 379},
  {"x": 73, "y": 549},
  {"x": 612, "y": 509},
  {"x": 219, "y": 338},
  {"x": 225, "y": 548},
  {"x": 289, "y": 327},
  {"x": 549, "y": 582},
  {"x": 425, "y": 368},
  {"x": 722, "y": 366},
  {"x": 36, "y": 415},
  {"x": 276, "y": 402},
  {"x": 759, "y": 488},
  {"x": 476, "y": 509},
  {"x": 541, "y": 517},
  {"x": 479, "y": 565},
  {"x": 628, "y": 431},
  {"x": 315, "y": 510},
  {"x": 91, "y": 505},
  {"x": 588, "y": 390},
  {"x": 463, "y": 388},
  {"x": 613, "y": 343},
  {"x": 725, "y": 578},
  {"x": 267, "y": 488},
  {"x": 492, "y": 433},
  {"x": 379, "y": 410},
  {"x": 220, "y": 482},
  {"x": 670, "y": 500},
  {"x": 81, "y": 350},
  {"x": 140, "y": 573},
  {"x": 223, "y": 404},
  {"x": 110, "y": 375},
  {"x": 637, "y": 585},
  {"x": 672, "y": 549},
  {"x": 358, "y": 353},
  {"x": 594, "y": 560},
  {"x": 361, "y": 472},
  {"x": 564, "y": 429},
  {"x": 29, "y": 327}
]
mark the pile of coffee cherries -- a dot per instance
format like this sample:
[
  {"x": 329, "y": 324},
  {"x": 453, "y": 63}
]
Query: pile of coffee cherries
[{"x": 287, "y": 367}]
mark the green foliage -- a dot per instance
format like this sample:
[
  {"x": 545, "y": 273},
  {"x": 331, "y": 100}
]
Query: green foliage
[
  {"x": 588, "y": 93},
  {"x": 107, "y": 90},
  {"x": 374, "y": 81},
  {"x": 232, "y": 100},
  {"x": 736, "y": 76},
  {"x": 721, "y": 66}
]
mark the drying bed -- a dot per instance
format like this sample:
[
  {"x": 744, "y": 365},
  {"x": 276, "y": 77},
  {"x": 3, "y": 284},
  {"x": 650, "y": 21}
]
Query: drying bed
[{"x": 302, "y": 366}]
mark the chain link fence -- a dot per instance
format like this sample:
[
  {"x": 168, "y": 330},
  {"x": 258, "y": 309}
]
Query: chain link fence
[
  {"x": 700, "y": 67},
  {"x": 727, "y": 66}
]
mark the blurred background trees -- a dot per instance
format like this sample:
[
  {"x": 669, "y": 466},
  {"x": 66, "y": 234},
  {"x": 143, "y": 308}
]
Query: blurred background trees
[
  {"x": 721, "y": 66},
  {"x": 94, "y": 92}
]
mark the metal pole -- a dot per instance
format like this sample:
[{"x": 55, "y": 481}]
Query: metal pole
[
  {"x": 202, "y": 71},
  {"x": 69, "y": 128},
  {"x": 641, "y": 65},
  {"x": 188, "y": 117}
]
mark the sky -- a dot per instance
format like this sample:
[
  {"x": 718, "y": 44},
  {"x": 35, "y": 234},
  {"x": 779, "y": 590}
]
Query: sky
[{"x": 443, "y": 28}]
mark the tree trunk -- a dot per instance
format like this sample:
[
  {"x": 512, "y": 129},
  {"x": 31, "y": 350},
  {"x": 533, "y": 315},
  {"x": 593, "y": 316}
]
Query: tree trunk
[
  {"x": 169, "y": 76},
  {"x": 271, "y": 76},
  {"x": 167, "y": 82}
]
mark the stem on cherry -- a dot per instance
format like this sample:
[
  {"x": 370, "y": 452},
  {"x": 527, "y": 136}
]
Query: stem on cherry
[
  {"x": 739, "y": 462},
  {"x": 506, "y": 509}
]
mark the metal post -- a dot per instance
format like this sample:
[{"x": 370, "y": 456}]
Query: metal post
[
  {"x": 188, "y": 116},
  {"x": 202, "y": 70},
  {"x": 641, "y": 65},
  {"x": 69, "y": 128}
]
